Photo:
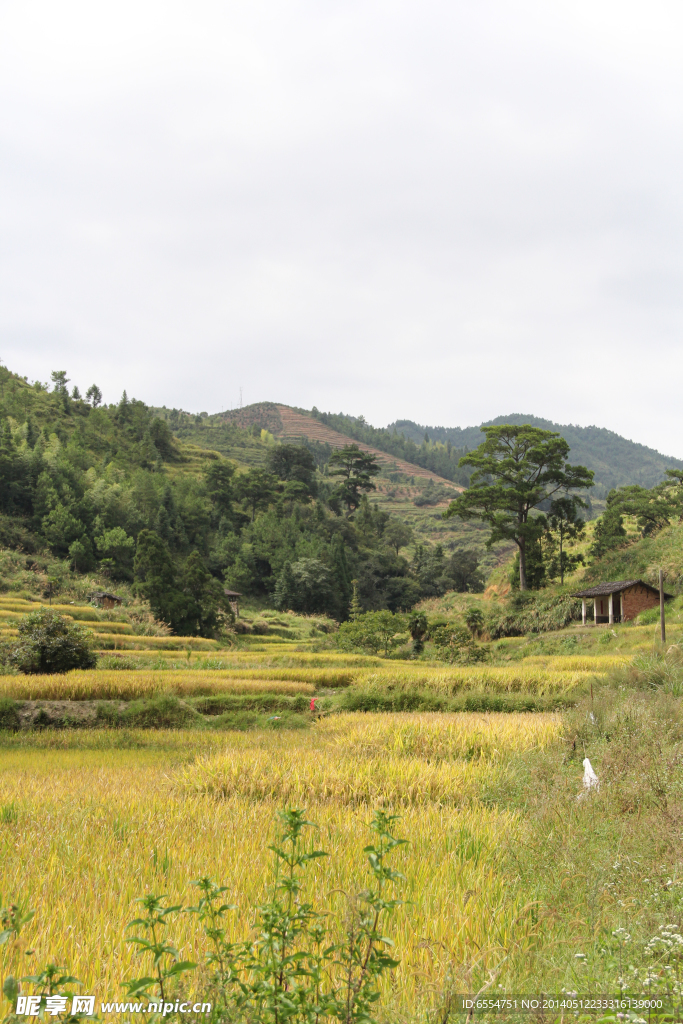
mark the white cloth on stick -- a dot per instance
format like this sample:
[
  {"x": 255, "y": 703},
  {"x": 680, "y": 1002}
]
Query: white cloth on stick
[{"x": 590, "y": 779}]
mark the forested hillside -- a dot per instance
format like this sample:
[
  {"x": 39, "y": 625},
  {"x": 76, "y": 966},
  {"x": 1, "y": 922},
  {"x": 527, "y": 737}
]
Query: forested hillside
[
  {"x": 615, "y": 460},
  {"x": 113, "y": 491},
  {"x": 177, "y": 505}
]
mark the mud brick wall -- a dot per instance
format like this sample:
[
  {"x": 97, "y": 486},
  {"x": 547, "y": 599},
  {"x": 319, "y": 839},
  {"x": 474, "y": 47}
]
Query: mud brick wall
[{"x": 637, "y": 599}]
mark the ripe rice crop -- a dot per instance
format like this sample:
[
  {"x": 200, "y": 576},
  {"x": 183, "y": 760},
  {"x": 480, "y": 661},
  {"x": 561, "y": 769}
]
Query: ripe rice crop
[
  {"x": 96, "y": 828},
  {"x": 114, "y": 684},
  {"x": 577, "y": 662},
  {"x": 82, "y": 613},
  {"x": 442, "y": 736},
  {"x": 175, "y": 661},
  {"x": 298, "y": 777},
  {"x": 302, "y": 659},
  {"x": 378, "y": 761},
  {"x": 112, "y": 627},
  {"x": 178, "y": 643},
  {"x": 496, "y": 679}
]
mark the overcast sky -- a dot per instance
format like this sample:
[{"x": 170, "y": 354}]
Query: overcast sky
[{"x": 442, "y": 211}]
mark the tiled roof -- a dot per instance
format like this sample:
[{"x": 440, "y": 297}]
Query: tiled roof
[{"x": 614, "y": 588}]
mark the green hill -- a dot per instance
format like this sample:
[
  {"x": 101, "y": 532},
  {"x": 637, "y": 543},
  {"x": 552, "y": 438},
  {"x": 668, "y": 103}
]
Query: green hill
[
  {"x": 615, "y": 460},
  {"x": 113, "y": 493},
  {"x": 243, "y": 435}
]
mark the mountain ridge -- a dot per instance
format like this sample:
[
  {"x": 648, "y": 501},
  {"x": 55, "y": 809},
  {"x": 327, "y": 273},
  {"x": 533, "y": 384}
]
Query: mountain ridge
[
  {"x": 435, "y": 452},
  {"x": 630, "y": 462}
]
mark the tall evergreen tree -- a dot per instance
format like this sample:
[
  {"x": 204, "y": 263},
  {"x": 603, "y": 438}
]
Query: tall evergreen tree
[{"x": 516, "y": 470}]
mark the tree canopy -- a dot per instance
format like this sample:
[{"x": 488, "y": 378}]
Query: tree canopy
[
  {"x": 356, "y": 468},
  {"x": 112, "y": 489},
  {"x": 517, "y": 470}
]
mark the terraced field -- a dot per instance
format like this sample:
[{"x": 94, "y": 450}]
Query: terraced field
[
  {"x": 295, "y": 426},
  {"x": 171, "y": 760}
]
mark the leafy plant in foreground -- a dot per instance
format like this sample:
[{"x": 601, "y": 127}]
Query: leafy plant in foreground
[
  {"x": 292, "y": 972},
  {"x": 154, "y": 944}
]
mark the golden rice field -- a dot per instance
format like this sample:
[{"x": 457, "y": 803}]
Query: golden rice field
[
  {"x": 576, "y": 662},
  {"x": 92, "y": 827},
  {"x": 121, "y": 685},
  {"x": 494, "y": 678},
  {"x": 130, "y": 684}
]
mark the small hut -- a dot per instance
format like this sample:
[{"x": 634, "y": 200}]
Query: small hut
[
  {"x": 619, "y": 601},
  {"x": 104, "y": 600},
  {"x": 234, "y": 599}
]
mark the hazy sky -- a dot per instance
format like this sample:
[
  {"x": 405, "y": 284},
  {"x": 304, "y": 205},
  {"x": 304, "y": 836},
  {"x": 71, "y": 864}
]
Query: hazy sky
[{"x": 442, "y": 211}]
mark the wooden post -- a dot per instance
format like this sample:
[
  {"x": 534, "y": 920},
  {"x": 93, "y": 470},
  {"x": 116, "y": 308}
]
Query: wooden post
[
  {"x": 661, "y": 606},
  {"x": 610, "y": 605},
  {"x": 583, "y": 610},
  {"x": 595, "y": 611}
]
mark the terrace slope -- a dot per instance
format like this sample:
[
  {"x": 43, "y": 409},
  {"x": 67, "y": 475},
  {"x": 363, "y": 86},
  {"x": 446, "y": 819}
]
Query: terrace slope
[
  {"x": 295, "y": 425},
  {"x": 290, "y": 424}
]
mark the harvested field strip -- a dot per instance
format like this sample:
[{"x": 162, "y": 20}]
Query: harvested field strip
[
  {"x": 295, "y": 425},
  {"x": 107, "y": 684}
]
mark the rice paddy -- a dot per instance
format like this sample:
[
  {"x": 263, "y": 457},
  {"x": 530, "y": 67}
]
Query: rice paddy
[
  {"x": 118, "y": 685},
  {"x": 91, "y": 831},
  {"x": 495, "y": 868}
]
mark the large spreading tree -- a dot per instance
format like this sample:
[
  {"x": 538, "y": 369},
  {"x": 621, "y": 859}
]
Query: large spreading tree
[{"x": 517, "y": 470}]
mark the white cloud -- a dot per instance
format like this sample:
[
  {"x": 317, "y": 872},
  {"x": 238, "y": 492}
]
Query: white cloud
[{"x": 443, "y": 211}]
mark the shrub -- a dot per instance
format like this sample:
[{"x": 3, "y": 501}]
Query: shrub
[
  {"x": 455, "y": 644},
  {"x": 163, "y": 712},
  {"x": 374, "y": 632},
  {"x": 117, "y": 662},
  {"x": 474, "y": 618},
  {"x": 530, "y": 613},
  {"x": 48, "y": 643},
  {"x": 9, "y": 716}
]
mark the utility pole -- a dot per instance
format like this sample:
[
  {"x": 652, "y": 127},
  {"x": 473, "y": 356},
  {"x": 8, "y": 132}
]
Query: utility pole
[
  {"x": 240, "y": 396},
  {"x": 661, "y": 606}
]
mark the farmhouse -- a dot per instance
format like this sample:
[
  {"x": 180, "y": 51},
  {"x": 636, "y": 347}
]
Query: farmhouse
[
  {"x": 620, "y": 600},
  {"x": 105, "y": 600},
  {"x": 233, "y": 597}
]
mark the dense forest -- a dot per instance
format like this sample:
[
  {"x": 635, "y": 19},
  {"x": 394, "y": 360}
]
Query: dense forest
[{"x": 110, "y": 487}]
